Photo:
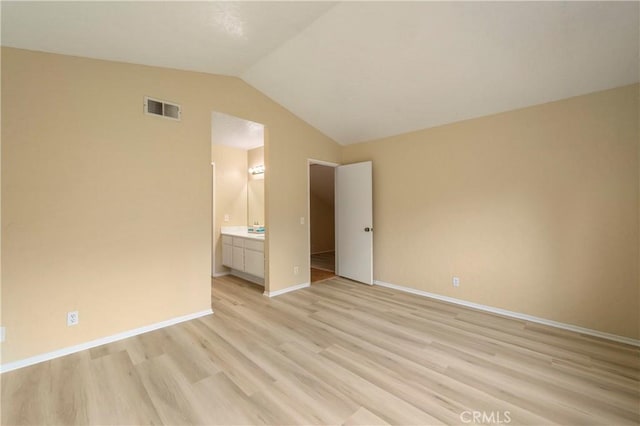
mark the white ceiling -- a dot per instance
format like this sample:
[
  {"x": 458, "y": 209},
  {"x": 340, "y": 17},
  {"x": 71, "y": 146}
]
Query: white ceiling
[
  {"x": 359, "y": 70},
  {"x": 369, "y": 70},
  {"x": 236, "y": 132},
  {"x": 215, "y": 37}
]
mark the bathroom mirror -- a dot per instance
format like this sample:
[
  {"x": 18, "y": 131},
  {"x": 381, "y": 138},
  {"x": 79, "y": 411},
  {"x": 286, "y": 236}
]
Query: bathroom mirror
[
  {"x": 255, "y": 186},
  {"x": 255, "y": 202}
]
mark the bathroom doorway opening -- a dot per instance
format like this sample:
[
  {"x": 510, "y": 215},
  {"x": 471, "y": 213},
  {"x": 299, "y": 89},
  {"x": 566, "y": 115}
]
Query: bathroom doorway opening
[
  {"x": 322, "y": 245},
  {"x": 238, "y": 240}
]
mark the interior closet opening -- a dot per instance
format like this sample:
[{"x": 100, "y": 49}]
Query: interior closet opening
[{"x": 322, "y": 220}]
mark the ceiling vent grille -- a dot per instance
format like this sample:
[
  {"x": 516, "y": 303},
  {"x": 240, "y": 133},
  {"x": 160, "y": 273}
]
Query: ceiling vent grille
[{"x": 162, "y": 108}]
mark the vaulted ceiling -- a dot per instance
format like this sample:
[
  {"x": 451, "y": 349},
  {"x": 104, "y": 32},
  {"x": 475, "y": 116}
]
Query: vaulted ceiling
[
  {"x": 236, "y": 132},
  {"x": 359, "y": 70}
]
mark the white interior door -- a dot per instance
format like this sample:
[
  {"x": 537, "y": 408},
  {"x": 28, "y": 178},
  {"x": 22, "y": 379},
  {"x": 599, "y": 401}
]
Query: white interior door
[{"x": 354, "y": 222}]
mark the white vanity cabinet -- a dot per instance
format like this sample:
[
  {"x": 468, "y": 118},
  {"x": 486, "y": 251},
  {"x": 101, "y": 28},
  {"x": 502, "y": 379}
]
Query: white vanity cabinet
[
  {"x": 244, "y": 255},
  {"x": 254, "y": 258},
  {"x": 227, "y": 251},
  {"x": 238, "y": 254}
]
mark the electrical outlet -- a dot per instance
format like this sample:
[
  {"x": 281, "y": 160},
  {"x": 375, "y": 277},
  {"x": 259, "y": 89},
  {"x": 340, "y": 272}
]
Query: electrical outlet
[
  {"x": 3, "y": 334},
  {"x": 296, "y": 270},
  {"x": 72, "y": 318},
  {"x": 456, "y": 281}
]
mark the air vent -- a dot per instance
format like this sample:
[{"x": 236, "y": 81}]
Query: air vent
[{"x": 162, "y": 108}]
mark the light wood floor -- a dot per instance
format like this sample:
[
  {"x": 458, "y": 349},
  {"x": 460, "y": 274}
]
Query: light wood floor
[
  {"x": 324, "y": 261},
  {"x": 320, "y": 275},
  {"x": 336, "y": 353}
]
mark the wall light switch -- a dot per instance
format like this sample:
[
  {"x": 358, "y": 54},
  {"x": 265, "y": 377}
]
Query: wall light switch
[
  {"x": 302, "y": 220},
  {"x": 226, "y": 218},
  {"x": 456, "y": 281}
]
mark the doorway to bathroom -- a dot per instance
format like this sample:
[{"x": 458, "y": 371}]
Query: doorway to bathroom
[
  {"x": 238, "y": 210},
  {"x": 322, "y": 220}
]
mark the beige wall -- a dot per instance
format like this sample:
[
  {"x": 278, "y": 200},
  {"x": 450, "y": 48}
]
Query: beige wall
[
  {"x": 289, "y": 191},
  {"x": 230, "y": 192},
  {"x": 107, "y": 211},
  {"x": 536, "y": 210}
]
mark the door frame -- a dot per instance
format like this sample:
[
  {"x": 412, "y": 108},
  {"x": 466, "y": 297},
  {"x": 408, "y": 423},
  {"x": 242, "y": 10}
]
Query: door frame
[
  {"x": 311, "y": 161},
  {"x": 213, "y": 219}
]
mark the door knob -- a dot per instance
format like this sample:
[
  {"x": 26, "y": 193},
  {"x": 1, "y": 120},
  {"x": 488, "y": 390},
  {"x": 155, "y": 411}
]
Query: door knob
[{"x": 367, "y": 229}]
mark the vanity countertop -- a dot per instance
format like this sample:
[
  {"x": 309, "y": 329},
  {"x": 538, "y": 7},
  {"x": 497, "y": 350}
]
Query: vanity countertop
[{"x": 240, "y": 231}]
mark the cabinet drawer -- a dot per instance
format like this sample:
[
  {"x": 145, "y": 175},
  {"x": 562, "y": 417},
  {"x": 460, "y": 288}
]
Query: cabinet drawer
[
  {"x": 238, "y": 242},
  {"x": 227, "y": 239},
  {"x": 254, "y": 245}
]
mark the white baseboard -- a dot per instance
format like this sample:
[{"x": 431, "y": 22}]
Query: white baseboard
[
  {"x": 104, "y": 340},
  {"x": 286, "y": 290},
  {"x": 220, "y": 274},
  {"x": 517, "y": 315}
]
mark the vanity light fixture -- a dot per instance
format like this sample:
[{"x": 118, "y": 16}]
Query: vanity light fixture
[{"x": 257, "y": 170}]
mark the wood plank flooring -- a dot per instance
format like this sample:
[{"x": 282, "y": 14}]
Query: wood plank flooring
[
  {"x": 320, "y": 275},
  {"x": 335, "y": 353},
  {"x": 325, "y": 261}
]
